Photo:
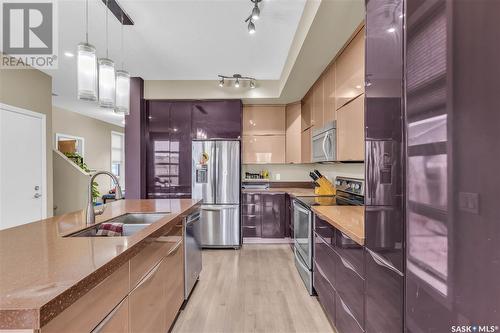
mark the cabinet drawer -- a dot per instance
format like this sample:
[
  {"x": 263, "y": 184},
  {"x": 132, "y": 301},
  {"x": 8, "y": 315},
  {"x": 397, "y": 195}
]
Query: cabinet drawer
[
  {"x": 351, "y": 288},
  {"x": 326, "y": 259},
  {"x": 173, "y": 268},
  {"x": 116, "y": 321},
  {"x": 251, "y": 209},
  {"x": 345, "y": 320},
  {"x": 351, "y": 251},
  {"x": 251, "y": 220},
  {"x": 252, "y": 231},
  {"x": 250, "y": 198},
  {"x": 90, "y": 309},
  {"x": 326, "y": 294},
  {"x": 154, "y": 249},
  {"x": 324, "y": 229}
]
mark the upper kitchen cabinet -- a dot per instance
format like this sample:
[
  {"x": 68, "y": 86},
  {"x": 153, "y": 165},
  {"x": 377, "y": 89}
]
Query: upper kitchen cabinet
[
  {"x": 350, "y": 71},
  {"x": 307, "y": 104},
  {"x": 350, "y": 130},
  {"x": 216, "y": 119},
  {"x": 263, "y": 120},
  {"x": 318, "y": 102},
  {"x": 293, "y": 133},
  {"x": 306, "y": 146},
  {"x": 329, "y": 94},
  {"x": 259, "y": 149}
]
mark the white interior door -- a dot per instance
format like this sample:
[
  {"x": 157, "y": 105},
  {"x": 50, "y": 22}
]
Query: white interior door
[{"x": 22, "y": 167}]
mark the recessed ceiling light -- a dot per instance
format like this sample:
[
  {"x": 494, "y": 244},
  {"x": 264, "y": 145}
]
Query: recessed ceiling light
[
  {"x": 391, "y": 29},
  {"x": 69, "y": 54}
]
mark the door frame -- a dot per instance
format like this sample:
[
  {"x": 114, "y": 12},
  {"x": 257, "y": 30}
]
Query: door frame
[{"x": 43, "y": 141}]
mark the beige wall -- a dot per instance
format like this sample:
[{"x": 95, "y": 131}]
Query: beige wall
[
  {"x": 97, "y": 135},
  {"x": 31, "y": 89}
]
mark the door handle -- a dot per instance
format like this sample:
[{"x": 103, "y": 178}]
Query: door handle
[
  {"x": 324, "y": 145},
  {"x": 37, "y": 195},
  {"x": 175, "y": 248},
  {"x": 383, "y": 262}
]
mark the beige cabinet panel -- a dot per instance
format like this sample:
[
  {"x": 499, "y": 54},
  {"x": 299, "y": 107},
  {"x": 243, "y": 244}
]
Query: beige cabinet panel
[
  {"x": 350, "y": 71},
  {"x": 351, "y": 131},
  {"x": 263, "y": 119},
  {"x": 146, "y": 304},
  {"x": 263, "y": 149},
  {"x": 115, "y": 322},
  {"x": 293, "y": 133},
  {"x": 173, "y": 270},
  {"x": 329, "y": 94},
  {"x": 306, "y": 146},
  {"x": 307, "y": 104},
  {"x": 318, "y": 100}
]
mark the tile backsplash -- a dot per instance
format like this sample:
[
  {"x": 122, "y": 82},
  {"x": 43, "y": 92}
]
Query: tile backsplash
[{"x": 300, "y": 172}]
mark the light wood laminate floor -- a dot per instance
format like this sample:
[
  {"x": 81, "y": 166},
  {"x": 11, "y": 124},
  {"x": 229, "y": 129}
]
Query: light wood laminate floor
[{"x": 255, "y": 289}]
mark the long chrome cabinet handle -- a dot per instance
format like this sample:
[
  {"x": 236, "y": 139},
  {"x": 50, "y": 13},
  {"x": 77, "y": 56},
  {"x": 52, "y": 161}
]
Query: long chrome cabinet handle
[
  {"x": 175, "y": 248},
  {"x": 383, "y": 262},
  {"x": 103, "y": 323},
  {"x": 150, "y": 275},
  {"x": 347, "y": 310}
]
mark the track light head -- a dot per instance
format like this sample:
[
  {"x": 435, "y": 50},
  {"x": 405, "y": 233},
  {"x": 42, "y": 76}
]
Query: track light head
[
  {"x": 221, "y": 83},
  {"x": 252, "y": 84},
  {"x": 251, "y": 27},
  {"x": 255, "y": 12},
  {"x": 237, "y": 83}
]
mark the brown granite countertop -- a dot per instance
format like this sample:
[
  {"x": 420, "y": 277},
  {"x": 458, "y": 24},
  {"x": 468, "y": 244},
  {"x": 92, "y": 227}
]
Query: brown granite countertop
[
  {"x": 42, "y": 272},
  {"x": 292, "y": 191},
  {"x": 348, "y": 219}
]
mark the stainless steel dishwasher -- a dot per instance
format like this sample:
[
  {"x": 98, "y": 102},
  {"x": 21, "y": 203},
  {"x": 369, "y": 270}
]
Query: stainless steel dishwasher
[{"x": 192, "y": 252}]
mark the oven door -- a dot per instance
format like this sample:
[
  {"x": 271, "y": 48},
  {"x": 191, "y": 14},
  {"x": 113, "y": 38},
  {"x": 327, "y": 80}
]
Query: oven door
[{"x": 302, "y": 231}]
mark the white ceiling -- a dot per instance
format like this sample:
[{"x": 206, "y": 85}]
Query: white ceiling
[{"x": 176, "y": 40}]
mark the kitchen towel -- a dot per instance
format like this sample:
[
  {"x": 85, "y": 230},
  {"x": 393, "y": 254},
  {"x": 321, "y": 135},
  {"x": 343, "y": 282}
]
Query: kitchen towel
[{"x": 110, "y": 229}]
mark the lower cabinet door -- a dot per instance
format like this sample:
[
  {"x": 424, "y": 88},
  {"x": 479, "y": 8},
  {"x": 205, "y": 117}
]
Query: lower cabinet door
[
  {"x": 384, "y": 295},
  {"x": 345, "y": 320},
  {"x": 173, "y": 273},
  {"x": 116, "y": 321},
  {"x": 147, "y": 304},
  {"x": 326, "y": 293},
  {"x": 273, "y": 215}
]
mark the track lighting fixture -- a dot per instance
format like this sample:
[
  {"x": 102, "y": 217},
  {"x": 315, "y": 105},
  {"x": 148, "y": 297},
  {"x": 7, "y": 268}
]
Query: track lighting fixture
[
  {"x": 238, "y": 80},
  {"x": 251, "y": 27},
  {"x": 254, "y": 16},
  {"x": 255, "y": 12}
]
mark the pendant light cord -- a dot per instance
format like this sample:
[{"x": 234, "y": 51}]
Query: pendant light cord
[
  {"x": 107, "y": 13},
  {"x": 87, "y": 21},
  {"x": 123, "y": 55}
]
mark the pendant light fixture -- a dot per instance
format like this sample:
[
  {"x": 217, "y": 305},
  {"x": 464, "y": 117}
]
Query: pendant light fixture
[
  {"x": 122, "y": 85},
  {"x": 87, "y": 65},
  {"x": 107, "y": 76}
]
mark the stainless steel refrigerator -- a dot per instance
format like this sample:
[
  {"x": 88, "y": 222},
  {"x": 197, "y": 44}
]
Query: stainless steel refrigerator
[{"x": 216, "y": 180}]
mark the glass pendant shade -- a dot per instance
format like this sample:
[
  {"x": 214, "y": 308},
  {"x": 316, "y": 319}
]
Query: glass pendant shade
[
  {"x": 87, "y": 72},
  {"x": 122, "y": 92},
  {"x": 107, "y": 83}
]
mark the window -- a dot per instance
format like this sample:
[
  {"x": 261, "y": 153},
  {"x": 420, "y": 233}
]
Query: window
[
  {"x": 118, "y": 157},
  {"x": 70, "y": 144}
]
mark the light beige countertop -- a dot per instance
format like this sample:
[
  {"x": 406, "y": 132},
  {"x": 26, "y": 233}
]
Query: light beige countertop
[
  {"x": 348, "y": 219},
  {"x": 42, "y": 272},
  {"x": 292, "y": 191}
]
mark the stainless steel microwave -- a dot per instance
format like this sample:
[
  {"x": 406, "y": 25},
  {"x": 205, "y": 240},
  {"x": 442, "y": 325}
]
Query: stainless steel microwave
[{"x": 324, "y": 143}]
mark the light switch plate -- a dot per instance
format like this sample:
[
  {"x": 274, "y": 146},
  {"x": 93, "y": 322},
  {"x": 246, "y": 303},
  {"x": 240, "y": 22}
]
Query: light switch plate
[{"x": 468, "y": 202}]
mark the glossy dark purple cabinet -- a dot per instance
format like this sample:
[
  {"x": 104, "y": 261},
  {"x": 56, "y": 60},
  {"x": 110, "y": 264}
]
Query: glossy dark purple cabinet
[
  {"x": 384, "y": 296},
  {"x": 326, "y": 293},
  {"x": 169, "y": 149},
  {"x": 453, "y": 229},
  {"x": 217, "y": 119},
  {"x": 273, "y": 215}
]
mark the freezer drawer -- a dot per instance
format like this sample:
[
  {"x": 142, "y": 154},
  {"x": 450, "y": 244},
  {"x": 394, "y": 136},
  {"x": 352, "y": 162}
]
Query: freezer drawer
[{"x": 220, "y": 225}]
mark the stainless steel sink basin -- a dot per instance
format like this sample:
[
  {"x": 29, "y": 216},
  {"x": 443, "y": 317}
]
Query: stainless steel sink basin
[{"x": 132, "y": 223}]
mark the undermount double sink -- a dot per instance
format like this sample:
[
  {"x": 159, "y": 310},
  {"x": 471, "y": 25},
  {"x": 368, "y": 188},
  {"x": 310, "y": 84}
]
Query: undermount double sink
[{"x": 132, "y": 223}]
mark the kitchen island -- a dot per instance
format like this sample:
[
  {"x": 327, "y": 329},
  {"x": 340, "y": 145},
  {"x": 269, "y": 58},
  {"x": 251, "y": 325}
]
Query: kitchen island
[{"x": 52, "y": 282}]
